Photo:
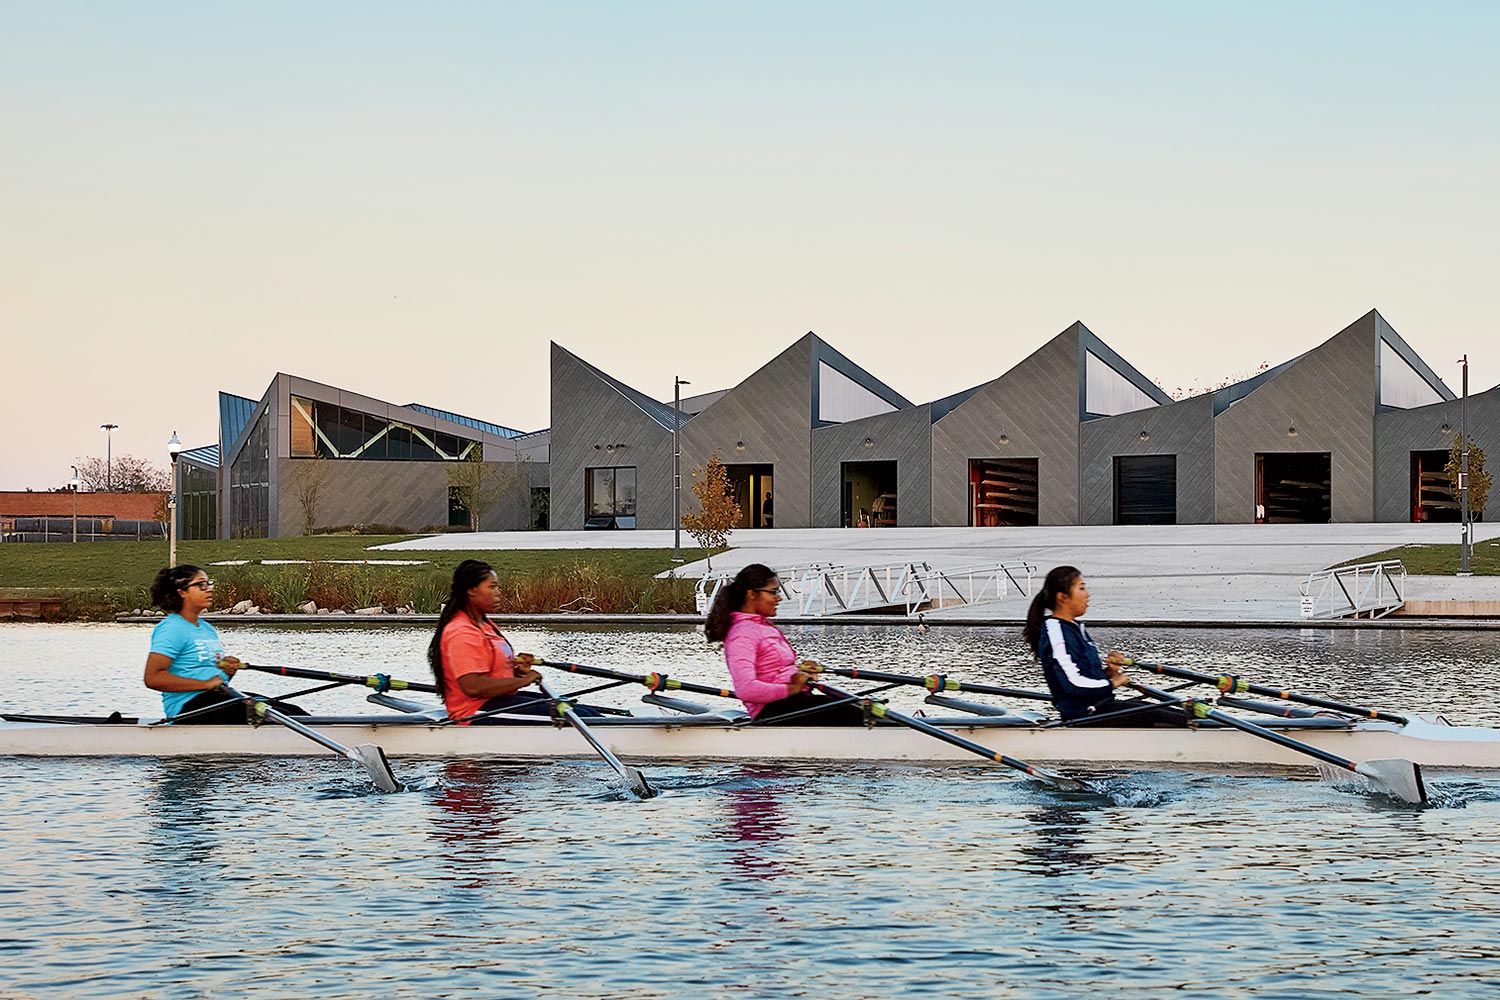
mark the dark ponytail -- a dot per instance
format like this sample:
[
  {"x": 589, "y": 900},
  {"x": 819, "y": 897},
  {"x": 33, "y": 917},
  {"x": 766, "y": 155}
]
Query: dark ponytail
[
  {"x": 1058, "y": 582},
  {"x": 731, "y": 598},
  {"x": 166, "y": 589},
  {"x": 469, "y": 574}
]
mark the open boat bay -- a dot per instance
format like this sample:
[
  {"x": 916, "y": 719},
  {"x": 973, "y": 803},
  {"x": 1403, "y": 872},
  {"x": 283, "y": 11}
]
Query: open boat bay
[{"x": 289, "y": 878}]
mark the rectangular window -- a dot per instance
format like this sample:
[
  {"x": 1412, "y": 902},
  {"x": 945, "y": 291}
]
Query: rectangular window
[{"x": 610, "y": 492}]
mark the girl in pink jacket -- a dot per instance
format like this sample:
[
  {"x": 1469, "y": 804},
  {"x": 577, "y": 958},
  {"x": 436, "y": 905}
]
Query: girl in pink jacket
[{"x": 762, "y": 664}]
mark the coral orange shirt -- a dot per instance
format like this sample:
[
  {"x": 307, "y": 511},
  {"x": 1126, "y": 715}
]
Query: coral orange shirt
[{"x": 472, "y": 649}]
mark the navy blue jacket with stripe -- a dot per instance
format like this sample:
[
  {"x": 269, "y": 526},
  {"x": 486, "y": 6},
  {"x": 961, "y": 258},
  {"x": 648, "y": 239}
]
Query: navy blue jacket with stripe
[{"x": 1074, "y": 670}]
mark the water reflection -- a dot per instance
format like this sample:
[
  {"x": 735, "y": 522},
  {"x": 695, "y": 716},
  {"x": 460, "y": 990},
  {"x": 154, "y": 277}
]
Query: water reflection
[
  {"x": 755, "y": 823},
  {"x": 475, "y": 800},
  {"x": 1056, "y": 848}
]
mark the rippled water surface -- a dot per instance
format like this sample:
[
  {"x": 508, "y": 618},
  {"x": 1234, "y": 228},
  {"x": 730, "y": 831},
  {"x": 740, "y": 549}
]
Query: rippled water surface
[{"x": 288, "y": 878}]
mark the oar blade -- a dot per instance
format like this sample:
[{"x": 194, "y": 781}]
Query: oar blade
[
  {"x": 637, "y": 782},
  {"x": 1060, "y": 781},
  {"x": 1399, "y": 778},
  {"x": 372, "y": 758}
]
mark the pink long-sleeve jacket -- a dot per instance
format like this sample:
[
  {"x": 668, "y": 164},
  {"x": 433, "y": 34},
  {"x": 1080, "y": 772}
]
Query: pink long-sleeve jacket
[{"x": 761, "y": 662}]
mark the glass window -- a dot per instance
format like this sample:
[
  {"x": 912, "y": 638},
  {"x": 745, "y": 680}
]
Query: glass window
[
  {"x": 326, "y": 423},
  {"x": 304, "y": 439},
  {"x": 840, "y": 398},
  {"x": 399, "y": 442},
  {"x": 250, "y": 486},
  {"x": 610, "y": 491},
  {"x": 422, "y": 449},
  {"x": 1106, "y": 392},
  {"x": 1401, "y": 385}
]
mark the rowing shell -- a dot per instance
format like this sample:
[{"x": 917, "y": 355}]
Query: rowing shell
[{"x": 1431, "y": 744}]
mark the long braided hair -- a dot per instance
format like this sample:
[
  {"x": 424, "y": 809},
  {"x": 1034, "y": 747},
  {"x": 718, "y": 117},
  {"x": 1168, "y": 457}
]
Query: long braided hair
[
  {"x": 1059, "y": 581},
  {"x": 469, "y": 574}
]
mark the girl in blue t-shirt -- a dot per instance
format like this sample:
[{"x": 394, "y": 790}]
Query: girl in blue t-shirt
[{"x": 187, "y": 662}]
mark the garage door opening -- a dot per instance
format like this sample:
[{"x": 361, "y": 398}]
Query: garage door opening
[
  {"x": 751, "y": 487},
  {"x": 1293, "y": 488},
  {"x": 1432, "y": 495},
  {"x": 1002, "y": 492},
  {"x": 1146, "y": 489},
  {"x": 869, "y": 494}
]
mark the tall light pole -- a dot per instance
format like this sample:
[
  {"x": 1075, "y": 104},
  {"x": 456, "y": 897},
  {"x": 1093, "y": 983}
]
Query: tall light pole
[
  {"x": 174, "y": 448},
  {"x": 677, "y": 384},
  {"x": 109, "y": 437},
  {"x": 73, "y": 488},
  {"x": 1463, "y": 472}
]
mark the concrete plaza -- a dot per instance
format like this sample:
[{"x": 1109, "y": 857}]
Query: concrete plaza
[{"x": 1198, "y": 572}]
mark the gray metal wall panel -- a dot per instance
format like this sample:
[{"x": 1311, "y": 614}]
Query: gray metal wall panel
[
  {"x": 1328, "y": 395},
  {"x": 1398, "y": 433},
  {"x": 903, "y": 437},
  {"x": 1035, "y": 405},
  {"x": 586, "y": 411},
  {"x": 1184, "y": 429},
  {"x": 770, "y": 413}
]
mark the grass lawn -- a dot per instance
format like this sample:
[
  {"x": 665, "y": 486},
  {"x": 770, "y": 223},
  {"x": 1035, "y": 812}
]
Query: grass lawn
[
  {"x": 1439, "y": 560},
  {"x": 66, "y": 565}
]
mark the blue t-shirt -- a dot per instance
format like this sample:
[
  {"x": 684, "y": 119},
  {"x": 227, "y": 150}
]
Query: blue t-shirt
[{"x": 194, "y": 651}]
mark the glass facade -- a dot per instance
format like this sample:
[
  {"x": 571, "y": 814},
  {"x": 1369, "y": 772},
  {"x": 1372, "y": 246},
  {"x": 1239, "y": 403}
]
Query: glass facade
[
  {"x": 327, "y": 430},
  {"x": 611, "y": 491},
  {"x": 1401, "y": 385},
  {"x": 197, "y": 501},
  {"x": 1107, "y": 392},
  {"x": 250, "y": 485}
]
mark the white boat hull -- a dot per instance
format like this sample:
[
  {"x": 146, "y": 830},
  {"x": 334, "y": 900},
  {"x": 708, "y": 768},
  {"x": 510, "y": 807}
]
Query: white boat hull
[{"x": 1435, "y": 746}]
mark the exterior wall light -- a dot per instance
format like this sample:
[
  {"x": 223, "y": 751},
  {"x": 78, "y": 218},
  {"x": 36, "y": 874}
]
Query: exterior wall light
[
  {"x": 869, "y": 442},
  {"x": 1145, "y": 435},
  {"x": 739, "y": 446},
  {"x": 1291, "y": 432},
  {"x": 1005, "y": 439},
  {"x": 1446, "y": 429}
]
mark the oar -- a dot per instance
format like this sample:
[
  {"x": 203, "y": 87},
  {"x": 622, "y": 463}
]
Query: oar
[
  {"x": 633, "y": 777},
  {"x": 368, "y": 755},
  {"x": 380, "y": 682},
  {"x": 1400, "y": 778},
  {"x": 881, "y": 711},
  {"x": 937, "y": 682},
  {"x": 654, "y": 681},
  {"x": 1230, "y": 684}
]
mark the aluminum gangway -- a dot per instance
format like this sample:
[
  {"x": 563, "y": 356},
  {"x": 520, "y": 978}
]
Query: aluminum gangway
[
  {"x": 1370, "y": 590},
  {"x": 824, "y": 589}
]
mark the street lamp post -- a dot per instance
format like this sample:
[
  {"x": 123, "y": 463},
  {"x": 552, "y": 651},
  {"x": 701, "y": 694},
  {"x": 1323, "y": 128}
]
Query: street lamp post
[
  {"x": 73, "y": 489},
  {"x": 1463, "y": 473},
  {"x": 109, "y": 437},
  {"x": 677, "y": 384},
  {"x": 174, "y": 448}
]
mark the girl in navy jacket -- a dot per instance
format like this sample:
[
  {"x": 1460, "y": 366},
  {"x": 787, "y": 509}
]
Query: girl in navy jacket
[{"x": 1081, "y": 683}]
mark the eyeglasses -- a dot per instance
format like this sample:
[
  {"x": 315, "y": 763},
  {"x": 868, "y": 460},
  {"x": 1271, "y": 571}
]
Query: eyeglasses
[
  {"x": 766, "y": 590},
  {"x": 201, "y": 584}
]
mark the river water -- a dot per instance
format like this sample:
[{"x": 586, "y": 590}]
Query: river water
[{"x": 289, "y": 878}]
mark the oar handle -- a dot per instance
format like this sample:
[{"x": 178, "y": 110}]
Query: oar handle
[
  {"x": 936, "y": 683},
  {"x": 654, "y": 681}
]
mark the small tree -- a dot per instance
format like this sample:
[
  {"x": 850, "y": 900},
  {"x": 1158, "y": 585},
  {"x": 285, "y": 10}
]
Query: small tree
[
  {"x": 309, "y": 483},
  {"x": 1479, "y": 480},
  {"x": 711, "y": 526},
  {"x": 477, "y": 485}
]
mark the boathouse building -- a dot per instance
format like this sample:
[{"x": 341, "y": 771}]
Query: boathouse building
[{"x": 1356, "y": 429}]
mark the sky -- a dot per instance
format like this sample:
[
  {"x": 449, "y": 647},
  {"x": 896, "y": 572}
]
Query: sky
[{"x": 411, "y": 200}]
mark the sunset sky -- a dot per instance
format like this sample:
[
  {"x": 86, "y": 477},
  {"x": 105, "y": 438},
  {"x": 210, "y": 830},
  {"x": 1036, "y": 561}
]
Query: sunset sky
[{"x": 411, "y": 200}]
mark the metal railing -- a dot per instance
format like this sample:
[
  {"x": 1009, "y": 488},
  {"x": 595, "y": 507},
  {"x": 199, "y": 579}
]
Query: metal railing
[
  {"x": 48, "y": 528},
  {"x": 1371, "y": 590},
  {"x": 828, "y": 589}
]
